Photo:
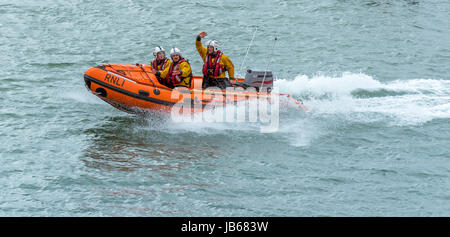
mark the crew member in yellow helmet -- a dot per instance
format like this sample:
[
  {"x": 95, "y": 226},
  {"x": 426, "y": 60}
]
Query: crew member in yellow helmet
[
  {"x": 160, "y": 62},
  {"x": 179, "y": 73},
  {"x": 215, "y": 64}
]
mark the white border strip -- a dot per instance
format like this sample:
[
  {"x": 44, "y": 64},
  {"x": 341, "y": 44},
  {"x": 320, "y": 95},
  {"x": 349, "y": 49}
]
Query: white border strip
[{"x": 115, "y": 74}]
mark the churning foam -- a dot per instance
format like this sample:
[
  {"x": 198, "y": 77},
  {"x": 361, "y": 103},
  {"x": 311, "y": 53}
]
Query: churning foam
[
  {"x": 353, "y": 97},
  {"x": 325, "y": 85},
  {"x": 359, "y": 96}
]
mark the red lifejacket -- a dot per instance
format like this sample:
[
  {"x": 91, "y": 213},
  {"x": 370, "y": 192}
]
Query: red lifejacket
[
  {"x": 171, "y": 78},
  {"x": 213, "y": 69},
  {"x": 155, "y": 64}
]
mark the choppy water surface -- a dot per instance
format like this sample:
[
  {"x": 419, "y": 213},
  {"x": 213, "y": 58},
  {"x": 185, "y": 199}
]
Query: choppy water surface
[{"x": 375, "y": 142}]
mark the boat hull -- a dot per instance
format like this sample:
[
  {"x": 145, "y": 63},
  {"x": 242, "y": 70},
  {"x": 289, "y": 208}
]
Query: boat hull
[{"x": 135, "y": 89}]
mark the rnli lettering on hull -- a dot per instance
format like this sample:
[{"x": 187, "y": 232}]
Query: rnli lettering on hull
[{"x": 114, "y": 80}]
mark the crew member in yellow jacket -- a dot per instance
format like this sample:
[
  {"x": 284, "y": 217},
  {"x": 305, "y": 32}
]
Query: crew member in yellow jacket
[
  {"x": 179, "y": 73},
  {"x": 215, "y": 64},
  {"x": 160, "y": 62}
]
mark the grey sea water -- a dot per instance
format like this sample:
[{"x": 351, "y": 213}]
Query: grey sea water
[{"x": 375, "y": 142}]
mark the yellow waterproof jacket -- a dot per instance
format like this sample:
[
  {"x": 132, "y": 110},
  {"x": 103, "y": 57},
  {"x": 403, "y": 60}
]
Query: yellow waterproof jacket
[
  {"x": 186, "y": 73},
  {"x": 225, "y": 61},
  {"x": 161, "y": 67}
]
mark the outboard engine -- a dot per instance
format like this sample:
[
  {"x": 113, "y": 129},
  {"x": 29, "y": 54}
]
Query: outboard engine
[{"x": 258, "y": 78}]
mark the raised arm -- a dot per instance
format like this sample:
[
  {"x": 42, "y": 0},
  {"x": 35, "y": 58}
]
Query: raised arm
[{"x": 200, "y": 48}]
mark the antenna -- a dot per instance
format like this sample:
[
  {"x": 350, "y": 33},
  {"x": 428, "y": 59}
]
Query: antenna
[
  {"x": 248, "y": 49},
  {"x": 270, "y": 60}
]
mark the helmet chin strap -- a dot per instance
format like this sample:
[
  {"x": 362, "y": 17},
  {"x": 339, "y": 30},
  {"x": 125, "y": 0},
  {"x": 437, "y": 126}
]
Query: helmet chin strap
[
  {"x": 179, "y": 57},
  {"x": 214, "y": 51}
]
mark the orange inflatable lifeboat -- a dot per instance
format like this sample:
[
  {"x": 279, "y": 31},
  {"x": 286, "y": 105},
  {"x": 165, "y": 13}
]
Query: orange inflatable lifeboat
[{"x": 134, "y": 88}]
